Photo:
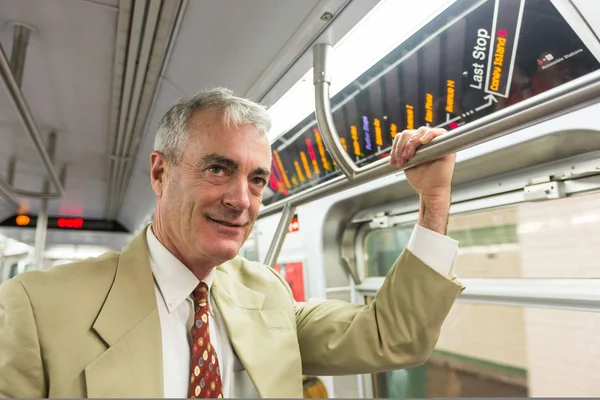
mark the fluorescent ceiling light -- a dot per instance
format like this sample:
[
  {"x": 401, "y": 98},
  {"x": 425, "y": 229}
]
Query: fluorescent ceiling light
[
  {"x": 386, "y": 26},
  {"x": 295, "y": 105}
]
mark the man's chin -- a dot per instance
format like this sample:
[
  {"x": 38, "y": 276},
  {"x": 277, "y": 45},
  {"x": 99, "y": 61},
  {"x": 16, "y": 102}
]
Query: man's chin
[{"x": 223, "y": 254}]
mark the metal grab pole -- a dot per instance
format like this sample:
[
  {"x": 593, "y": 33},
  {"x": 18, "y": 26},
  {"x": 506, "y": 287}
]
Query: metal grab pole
[
  {"x": 31, "y": 128},
  {"x": 19, "y": 49},
  {"x": 322, "y": 80},
  {"x": 280, "y": 232},
  {"x": 41, "y": 229},
  {"x": 42, "y": 221}
]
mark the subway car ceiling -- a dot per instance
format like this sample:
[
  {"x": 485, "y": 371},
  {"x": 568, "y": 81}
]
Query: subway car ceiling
[
  {"x": 75, "y": 84},
  {"x": 100, "y": 74}
]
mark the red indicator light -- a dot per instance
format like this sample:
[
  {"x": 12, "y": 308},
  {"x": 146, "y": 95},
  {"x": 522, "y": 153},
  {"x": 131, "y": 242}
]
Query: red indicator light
[{"x": 74, "y": 223}]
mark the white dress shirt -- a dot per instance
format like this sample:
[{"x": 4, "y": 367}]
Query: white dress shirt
[
  {"x": 174, "y": 284},
  {"x": 437, "y": 251}
]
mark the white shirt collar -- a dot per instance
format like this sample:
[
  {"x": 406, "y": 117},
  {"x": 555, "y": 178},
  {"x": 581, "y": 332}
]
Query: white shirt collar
[{"x": 175, "y": 281}]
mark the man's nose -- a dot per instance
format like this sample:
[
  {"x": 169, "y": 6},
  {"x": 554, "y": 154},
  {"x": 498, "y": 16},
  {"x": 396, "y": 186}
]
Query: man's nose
[{"x": 238, "y": 195}]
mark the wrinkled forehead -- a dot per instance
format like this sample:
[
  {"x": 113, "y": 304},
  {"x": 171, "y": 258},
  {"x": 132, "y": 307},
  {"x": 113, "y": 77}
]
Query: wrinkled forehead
[{"x": 208, "y": 133}]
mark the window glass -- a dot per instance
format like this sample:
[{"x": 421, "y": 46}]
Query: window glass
[
  {"x": 505, "y": 351},
  {"x": 550, "y": 239},
  {"x": 14, "y": 270},
  {"x": 383, "y": 246}
]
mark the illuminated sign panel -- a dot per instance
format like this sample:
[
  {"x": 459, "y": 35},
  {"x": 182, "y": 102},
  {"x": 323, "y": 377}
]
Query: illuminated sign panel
[
  {"x": 65, "y": 223},
  {"x": 503, "y": 46},
  {"x": 460, "y": 67}
]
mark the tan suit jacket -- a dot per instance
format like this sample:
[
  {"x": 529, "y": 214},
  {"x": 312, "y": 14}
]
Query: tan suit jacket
[{"x": 92, "y": 329}]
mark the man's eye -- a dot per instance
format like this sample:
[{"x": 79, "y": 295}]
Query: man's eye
[
  {"x": 215, "y": 169},
  {"x": 259, "y": 181}
]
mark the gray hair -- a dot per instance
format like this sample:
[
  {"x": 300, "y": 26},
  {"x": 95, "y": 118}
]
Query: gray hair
[{"x": 172, "y": 133}]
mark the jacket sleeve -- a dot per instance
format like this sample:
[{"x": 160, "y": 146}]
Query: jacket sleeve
[
  {"x": 21, "y": 368},
  {"x": 398, "y": 329}
]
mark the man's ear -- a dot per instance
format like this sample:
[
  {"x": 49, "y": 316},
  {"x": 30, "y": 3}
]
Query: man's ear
[{"x": 157, "y": 172}]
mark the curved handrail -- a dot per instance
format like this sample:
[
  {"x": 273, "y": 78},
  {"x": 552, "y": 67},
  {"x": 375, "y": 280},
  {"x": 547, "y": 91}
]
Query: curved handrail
[{"x": 322, "y": 81}]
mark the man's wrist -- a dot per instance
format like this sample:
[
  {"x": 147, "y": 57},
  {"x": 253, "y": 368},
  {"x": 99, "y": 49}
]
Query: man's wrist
[{"x": 434, "y": 212}]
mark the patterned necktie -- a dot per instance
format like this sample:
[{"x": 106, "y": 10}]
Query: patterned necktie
[{"x": 205, "y": 381}]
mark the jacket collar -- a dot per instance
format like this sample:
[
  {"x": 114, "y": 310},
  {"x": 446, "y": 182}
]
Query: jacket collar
[{"x": 129, "y": 324}]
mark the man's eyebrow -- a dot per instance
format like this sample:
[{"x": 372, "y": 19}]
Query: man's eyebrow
[
  {"x": 262, "y": 172},
  {"x": 219, "y": 159},
  {"x": 222, "y": 160}
]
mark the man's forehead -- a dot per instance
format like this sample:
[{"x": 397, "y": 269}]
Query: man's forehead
[{"x": 209, "y": 135}]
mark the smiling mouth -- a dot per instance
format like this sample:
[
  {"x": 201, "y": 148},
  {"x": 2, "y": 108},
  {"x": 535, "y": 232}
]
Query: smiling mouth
[{"x": 225, "y": 223}]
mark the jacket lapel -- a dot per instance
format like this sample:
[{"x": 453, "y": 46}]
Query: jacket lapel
[
  {"x": 129, "y": 324},
  {"x": 260, "y": 338}
]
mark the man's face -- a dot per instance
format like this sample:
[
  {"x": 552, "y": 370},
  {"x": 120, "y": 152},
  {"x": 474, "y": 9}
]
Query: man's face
[{"x": 208, "y": 203}]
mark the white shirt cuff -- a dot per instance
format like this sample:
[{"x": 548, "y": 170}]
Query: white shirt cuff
[{"x": 435, "y": 250}]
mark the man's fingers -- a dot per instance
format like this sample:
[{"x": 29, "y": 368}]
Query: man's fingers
[
  {"x": 432, "y": 134},
  {"x": 406, "y": 144},
  {"x": 413, "y": 143},
  {"x": 398, "y": 147}
]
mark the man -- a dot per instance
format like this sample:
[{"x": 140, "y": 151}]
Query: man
[{"x": 178, "y": 314}]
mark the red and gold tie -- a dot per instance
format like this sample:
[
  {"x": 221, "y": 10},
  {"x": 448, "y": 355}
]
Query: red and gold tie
[{"x": 205, "y": 381}]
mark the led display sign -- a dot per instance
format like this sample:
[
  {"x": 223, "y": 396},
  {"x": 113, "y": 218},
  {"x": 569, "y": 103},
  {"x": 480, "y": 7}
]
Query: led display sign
[
  {"x": 65, "y": 223},
  {"x": 472, "y": 60}
]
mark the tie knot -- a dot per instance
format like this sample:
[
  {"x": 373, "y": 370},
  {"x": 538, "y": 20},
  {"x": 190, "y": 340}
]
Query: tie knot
[{"x": 201, "y": 294}]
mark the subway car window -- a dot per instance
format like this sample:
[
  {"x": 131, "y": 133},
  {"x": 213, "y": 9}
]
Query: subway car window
[
  {"x": 522, "y": 241},
  {"x": 13, "y": 270},
  {"x": 505, "y": 351},
  {"x": 382, "y": 248}
]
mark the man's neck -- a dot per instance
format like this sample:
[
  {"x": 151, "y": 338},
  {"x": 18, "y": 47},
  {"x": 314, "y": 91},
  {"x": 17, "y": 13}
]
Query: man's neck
[{"x": 200, "y": 268}]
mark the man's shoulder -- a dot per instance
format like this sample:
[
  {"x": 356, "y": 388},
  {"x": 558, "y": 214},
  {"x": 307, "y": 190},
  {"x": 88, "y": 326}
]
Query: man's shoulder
[
  {"x": 254, "y": 275},
  {"x": 242, "y": 268},
  {"x": 79, "y": 276}
]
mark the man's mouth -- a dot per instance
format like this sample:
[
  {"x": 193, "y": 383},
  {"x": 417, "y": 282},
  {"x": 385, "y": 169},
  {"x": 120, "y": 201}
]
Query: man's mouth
[{"x": 226, "y": 223}]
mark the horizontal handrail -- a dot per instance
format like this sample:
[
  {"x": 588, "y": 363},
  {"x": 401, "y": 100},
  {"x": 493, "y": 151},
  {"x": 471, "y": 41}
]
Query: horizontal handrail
[
  {"x": 30, "y": 127},
  {"x": 558, "y": 293},
  {"x": 547, "y": 105}
]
